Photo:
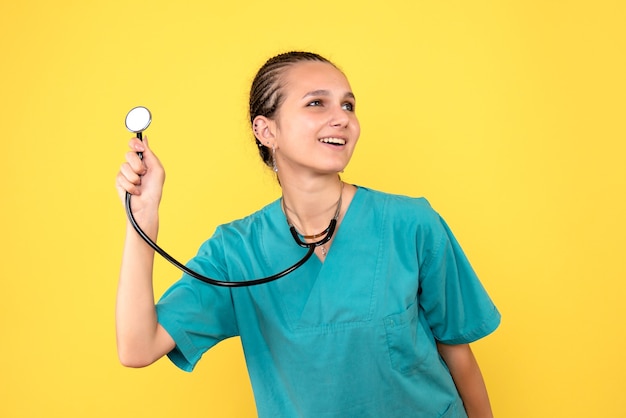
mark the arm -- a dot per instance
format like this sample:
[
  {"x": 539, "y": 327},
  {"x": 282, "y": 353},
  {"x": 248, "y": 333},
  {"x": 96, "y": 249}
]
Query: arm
[
  {"x": 140, "y": 339},
  {"x": 467, "y": 378}
]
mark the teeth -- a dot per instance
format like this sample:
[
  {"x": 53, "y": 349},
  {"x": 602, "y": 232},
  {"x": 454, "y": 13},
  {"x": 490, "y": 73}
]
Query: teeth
[{"x": 336, "y": 141}]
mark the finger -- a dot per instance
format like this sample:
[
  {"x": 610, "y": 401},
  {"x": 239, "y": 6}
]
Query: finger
[
  {"x": 129, "y": 174},
  {"x": 137, "y": 144},
  {"x": 136, "y": 163},
  {"x": 124, "y": 185},
  {"x": 142, "y": 146}
]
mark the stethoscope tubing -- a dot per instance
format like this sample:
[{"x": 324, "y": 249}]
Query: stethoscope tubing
[
  {"x": 310, "y": 245},
  {"x": 311, "y": 249}
]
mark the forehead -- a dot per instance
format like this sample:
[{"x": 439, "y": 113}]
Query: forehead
[{"x": 308, "y": 76}]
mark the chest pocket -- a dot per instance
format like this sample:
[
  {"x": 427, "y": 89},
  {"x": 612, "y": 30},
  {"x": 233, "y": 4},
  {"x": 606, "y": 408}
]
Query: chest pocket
[{"x": 410, "y": 343}]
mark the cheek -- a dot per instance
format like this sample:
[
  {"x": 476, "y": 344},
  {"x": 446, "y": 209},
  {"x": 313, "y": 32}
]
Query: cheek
[
  {"x": 293, "y": 121},
  {"x": 357, "y": 127},
  {"x": 304, "y": 126}
]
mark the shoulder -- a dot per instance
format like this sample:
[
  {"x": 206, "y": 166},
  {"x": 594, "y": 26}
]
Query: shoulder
[
  {"x": 247, "y": 227},
  {"x": 255, "y": 220},
  {"x": 265, "y": 214},
  {"x": 401, "y": 207}
]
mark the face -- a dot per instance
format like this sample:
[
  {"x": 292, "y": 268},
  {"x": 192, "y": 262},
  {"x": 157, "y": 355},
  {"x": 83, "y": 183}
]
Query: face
[{"x": 316, "y": 128}]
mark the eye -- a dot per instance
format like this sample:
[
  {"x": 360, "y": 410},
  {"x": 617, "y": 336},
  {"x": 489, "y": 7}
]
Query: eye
[
  {"x": 348, "y": 106},
  {"x": 315, "y": 103}
]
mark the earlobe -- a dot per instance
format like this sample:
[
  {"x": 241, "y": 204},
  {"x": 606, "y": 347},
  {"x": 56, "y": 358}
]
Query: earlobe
[{"x": 263, "y": 130}]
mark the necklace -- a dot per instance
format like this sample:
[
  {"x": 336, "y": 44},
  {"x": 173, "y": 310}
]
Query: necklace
[{"x": 320, "y": 234}]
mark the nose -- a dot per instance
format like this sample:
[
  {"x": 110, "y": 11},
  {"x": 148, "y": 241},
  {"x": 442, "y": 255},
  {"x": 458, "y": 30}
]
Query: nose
[{"x": 339, "y": 117}]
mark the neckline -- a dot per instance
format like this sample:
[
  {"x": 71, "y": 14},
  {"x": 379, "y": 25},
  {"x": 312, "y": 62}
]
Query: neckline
[
  {"x": 289, "y": 249},
  {"x": 346, "y": 222},
  {"x": 283, "y": 226}
]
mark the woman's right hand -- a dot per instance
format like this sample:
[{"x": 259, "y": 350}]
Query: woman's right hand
[{"x": 142, "y": 178}]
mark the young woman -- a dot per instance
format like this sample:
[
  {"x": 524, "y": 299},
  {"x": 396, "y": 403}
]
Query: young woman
[{"x": 376, "y": 324}]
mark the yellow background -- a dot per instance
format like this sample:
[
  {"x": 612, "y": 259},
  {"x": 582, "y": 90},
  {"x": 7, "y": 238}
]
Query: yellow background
[{"x": 508, "y": 115}]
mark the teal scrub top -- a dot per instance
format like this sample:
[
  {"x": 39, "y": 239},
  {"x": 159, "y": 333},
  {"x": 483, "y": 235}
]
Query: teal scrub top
[{"x": 354, "y": 336}]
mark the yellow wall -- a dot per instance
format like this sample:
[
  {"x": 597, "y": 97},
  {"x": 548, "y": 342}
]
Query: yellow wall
[{"x": 508, "y": 115}]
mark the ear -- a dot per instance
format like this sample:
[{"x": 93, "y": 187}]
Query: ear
[{"x": 264, "y": 130}]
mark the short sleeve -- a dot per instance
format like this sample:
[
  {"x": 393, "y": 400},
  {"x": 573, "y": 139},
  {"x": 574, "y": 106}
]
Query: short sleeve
[
  {"x": 455, "y": 304},
  {"x": 198, "y": 315}
]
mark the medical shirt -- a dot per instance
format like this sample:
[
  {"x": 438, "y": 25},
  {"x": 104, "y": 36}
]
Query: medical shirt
[{"x": 353, "y": 336}]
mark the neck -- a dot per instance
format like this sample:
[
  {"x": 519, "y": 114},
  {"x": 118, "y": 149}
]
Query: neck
[{"x": 311, "y": 205}]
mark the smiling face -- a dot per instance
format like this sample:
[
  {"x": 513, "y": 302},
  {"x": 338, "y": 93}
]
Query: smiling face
[{"x": 315, "y": 129}]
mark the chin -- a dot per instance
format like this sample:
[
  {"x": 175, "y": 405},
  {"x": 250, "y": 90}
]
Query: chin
[
  {"x": 337, "y": 170},
  {"x": 338, "y": 167}
]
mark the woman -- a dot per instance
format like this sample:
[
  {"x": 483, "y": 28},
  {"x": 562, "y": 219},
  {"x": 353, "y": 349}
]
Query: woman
[{"x": 376, "y": 325}]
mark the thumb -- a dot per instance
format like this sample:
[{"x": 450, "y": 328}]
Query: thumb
[
  {"x": 145, "y": 145},
  {"x": 149, "y": 158}
]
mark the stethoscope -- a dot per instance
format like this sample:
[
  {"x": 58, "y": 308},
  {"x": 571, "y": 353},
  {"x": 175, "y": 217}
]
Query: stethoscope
[{"x": 137, "y": 120}]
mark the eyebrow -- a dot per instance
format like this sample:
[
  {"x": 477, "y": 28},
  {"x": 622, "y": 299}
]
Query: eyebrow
[{"x": 349, "y": 94}]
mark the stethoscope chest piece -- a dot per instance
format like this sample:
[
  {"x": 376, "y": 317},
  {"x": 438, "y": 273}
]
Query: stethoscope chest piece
[{"x": 138, "y": 119}]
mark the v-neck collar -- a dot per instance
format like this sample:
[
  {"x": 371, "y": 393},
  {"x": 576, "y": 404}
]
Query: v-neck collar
[
  {"x": 306, "y": 295},
  {"x": 284, "y": 246},
  {"x": 344, "y": 225}
]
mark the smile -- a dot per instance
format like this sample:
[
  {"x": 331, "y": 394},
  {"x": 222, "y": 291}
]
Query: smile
[{"x": 333, "y": 141}]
